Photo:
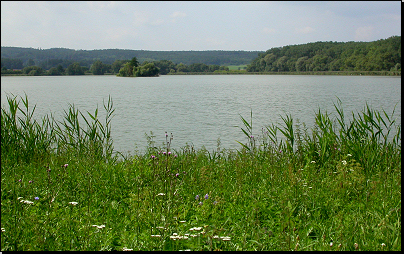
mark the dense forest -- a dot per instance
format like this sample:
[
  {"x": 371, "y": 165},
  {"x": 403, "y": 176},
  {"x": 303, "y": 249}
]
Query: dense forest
[
  {"x": 381, "y": 55},
  {"x": 18, "y": 58}
]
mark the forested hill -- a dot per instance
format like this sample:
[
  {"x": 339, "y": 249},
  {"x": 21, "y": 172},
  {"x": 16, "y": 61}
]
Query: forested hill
[
  {"x": 381, "y": 55},
  {"x": 108, "y": 56}
]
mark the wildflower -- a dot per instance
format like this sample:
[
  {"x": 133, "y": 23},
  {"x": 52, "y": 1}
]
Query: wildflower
[
  {"x": 175, "y": 156},
  {"x": 36, "y": 198},
  {"x": 383, "y": 244},
  {"x": 339, "y": 246},
  {"x": 182, "y": 221},
  {"x": 27, "y": 202},
  {"x": 153, "y": 156},
  {"x": 164, "y": 153},
  {"x": 331, "y": 244},
  {"x": 169, "y": 153},
  {"x": 344, "y": 162},
  {"x": 206, "y": 196},
  {"x": 3, "y": 230},
  {"x": 157, "y": 236},
  {"x": 19, "y": 180},
  {"x": 99, "y": 227},
  {"x": 65, "y": 166},
  {"x": 349, "y": 155},
  {"x": 19, "y": 198},
  {"x": 200, "y": 203},
  {"x": 356, "y": 246},
  {"x": 195, "y": 228},
  {"x": 225, "y": 238},
  {"x": 30, "y": 181},
  {"x": 177, "y": 174},
  {"x": 126, "y": 249},
  {"x": 214, "y": 202},
  {"x": 161, "y": 194},
  {"x": 313, "y": 162},
  {"x": 73, "y": 203},
  {"x": 197, "y": 197}
]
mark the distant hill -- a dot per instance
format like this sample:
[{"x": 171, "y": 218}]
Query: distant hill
[
  {"x": 66, "y": 56},
  {"x": 380, "y": 55}
]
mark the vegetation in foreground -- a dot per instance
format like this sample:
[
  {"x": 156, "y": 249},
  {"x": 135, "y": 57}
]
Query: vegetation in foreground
[{"x": 336, "y": 186}]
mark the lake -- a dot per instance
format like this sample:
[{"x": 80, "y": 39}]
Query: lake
[{"x": 200, "y": 109}]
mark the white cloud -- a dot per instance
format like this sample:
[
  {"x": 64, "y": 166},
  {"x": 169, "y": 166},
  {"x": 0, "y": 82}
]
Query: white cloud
[
  {"x": 305, "y": 30},
  {"x": 176, "y": 15},
  {"x": 267, "y": 30},
  {"x": 364, "y": 33}
]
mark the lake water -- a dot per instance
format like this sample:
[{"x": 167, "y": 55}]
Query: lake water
[{"x": 200, "y": 109}]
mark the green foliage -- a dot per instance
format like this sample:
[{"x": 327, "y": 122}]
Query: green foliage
[
  {"x": 32, "y": 70},
  {"x": 381, "y": 55},
  {"x": 324, "y": 194},
  {"x": 48, "y": 58},
  {"x": 75, "y": 69},
  {"x": 146, "y": 70}
]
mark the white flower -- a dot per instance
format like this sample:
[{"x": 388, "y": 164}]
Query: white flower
[
  {"x": 161, "y": 194},
  {"x": 312, "y": 162},
  {"x": 99, "y": 227},
  {"x": 225, "y": 238},
  {"x": 344, "y": 162},
  {"x": 158, "y": 236},
  {"x": 349, "y": 155},
  {"x": 3, "y": 230},
  {"x": 126, "y": 249},
  {"x": 331, "y": 244},
  {"x": 182, "y": 221},
  {"x": 195, "y": 228},
  {"x": 73, "y": 203},
  {"x": 383, "y": 244}
]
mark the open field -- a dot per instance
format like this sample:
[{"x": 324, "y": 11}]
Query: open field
[{"x": 334, "y": 187}]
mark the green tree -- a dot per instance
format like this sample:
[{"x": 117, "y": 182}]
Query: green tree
[
  {"x": 75, "y": 69},
  {"x": 32, "y": 70},
  {"x": 146, "y": 70},
  {"x": 98, "y": 68}
]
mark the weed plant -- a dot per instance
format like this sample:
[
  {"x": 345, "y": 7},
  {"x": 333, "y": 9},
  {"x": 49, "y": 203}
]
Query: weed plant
[{"x": 334, "y": 187}]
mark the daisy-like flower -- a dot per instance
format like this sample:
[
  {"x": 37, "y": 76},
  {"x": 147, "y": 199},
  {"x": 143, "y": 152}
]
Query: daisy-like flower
[
  {"x": 344, "y": 162},
  {"x": 195, "y": 228},
  {"x": 313, "y": 162},
  {"x": 3, "y": 230},
  {"x": 73, "y": 203},
  {"x": 349, "y": 155}
]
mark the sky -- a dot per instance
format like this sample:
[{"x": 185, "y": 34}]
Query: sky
[{"x": 194, "y": 25}]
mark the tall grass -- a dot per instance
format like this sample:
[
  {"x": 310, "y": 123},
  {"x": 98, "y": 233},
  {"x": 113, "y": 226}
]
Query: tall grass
[{"x": 336, "y": 186}]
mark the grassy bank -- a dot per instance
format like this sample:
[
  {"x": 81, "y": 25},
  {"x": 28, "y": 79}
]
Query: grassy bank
[{"x": 334, "y": 187}]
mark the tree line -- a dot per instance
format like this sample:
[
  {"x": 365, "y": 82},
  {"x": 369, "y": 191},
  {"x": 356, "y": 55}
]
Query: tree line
[
  {"x": 18, "y": 58},
  {"x": 381, "y": 55},
  {"x": 124, "y": 68}
]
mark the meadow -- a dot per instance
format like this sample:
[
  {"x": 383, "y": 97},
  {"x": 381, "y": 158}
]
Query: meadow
[{"x": 336, "y": 186}]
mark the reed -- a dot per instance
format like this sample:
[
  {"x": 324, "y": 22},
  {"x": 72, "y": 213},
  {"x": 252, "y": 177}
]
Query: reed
[{"x": 335, "y": 186}]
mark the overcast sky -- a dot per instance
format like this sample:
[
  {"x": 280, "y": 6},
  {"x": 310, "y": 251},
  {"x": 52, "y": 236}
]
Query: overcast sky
[{"x": 195, "y": 25}]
